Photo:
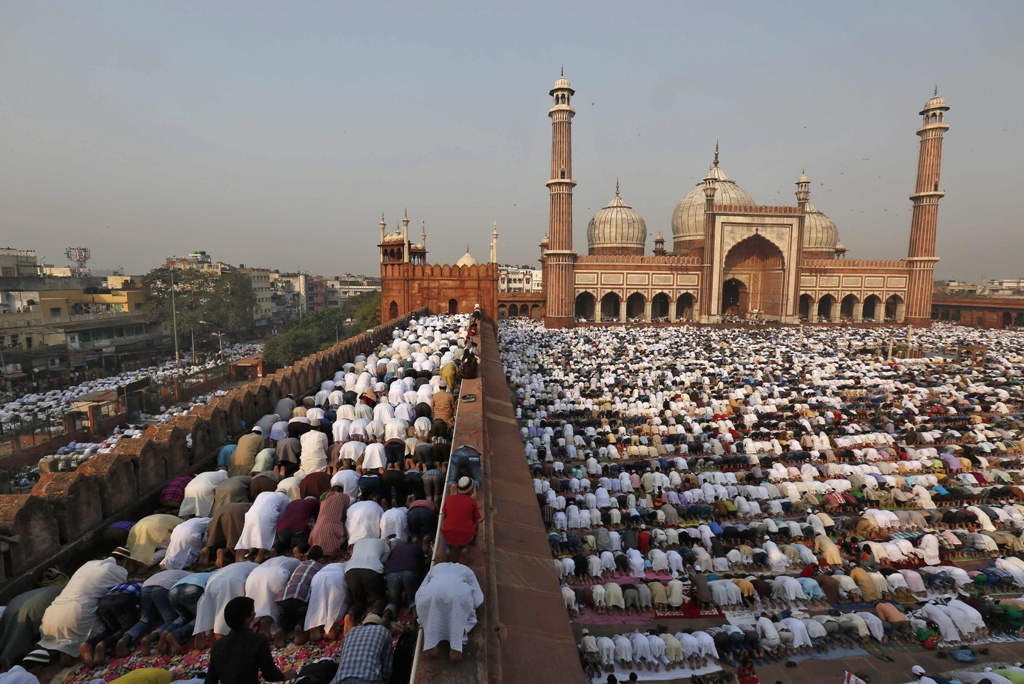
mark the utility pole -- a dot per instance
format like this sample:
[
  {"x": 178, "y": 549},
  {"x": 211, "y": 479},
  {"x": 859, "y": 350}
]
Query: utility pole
[
  {"x": 193, "y": 345},
  {"x": 174, "y": 322}
]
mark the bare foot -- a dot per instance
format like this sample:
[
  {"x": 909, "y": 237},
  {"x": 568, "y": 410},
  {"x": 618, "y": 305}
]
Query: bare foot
[
  {"x": 204, "y": 557},
  {"x": 145, "y": 646},
  {"x": 99, "y": 655},
  {"x": 162, "y": 645},
  {"x": 431, "y": 652},
  {"x": 454, "y": 656},
  {"x": 316, "y": 634},
  {"x": 199, "y": 643},
  {"x": 301, "y": 638},
  {"x": 279, "y": 639},
  {"x": 86, "y": 651},
  {"x": 220, "y": 558},
  {"x": 173, "y": 646}
]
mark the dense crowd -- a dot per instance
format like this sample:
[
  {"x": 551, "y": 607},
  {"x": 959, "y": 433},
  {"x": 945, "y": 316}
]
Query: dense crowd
[
  {"x": 790, "y": 488},
  {"x": 316, "y": 525}
]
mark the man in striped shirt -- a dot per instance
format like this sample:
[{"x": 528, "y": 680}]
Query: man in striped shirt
[{"x": 293, "y": 600}]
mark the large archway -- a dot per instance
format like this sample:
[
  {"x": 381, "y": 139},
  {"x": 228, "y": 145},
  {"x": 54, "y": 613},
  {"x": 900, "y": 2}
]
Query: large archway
[
  {"x": 872, "y": 306},
  {"x": 894, "y": 309},
  {"x": 610, "y": 305},
  {"x": 759, "y": 265},
  {"x": 684, "y": 307},
  {"x": 636, "y": 305},
  {"x": 735, "y": 299},
  {"x": 848, "y": 307},
  {"x": 453, "y": 306},
  {"x": 585, "y": 305},
  {"x": 659, "y": 307},
  {"x": 393, "y": 310},
  {"x": 806, "y": 306},
  {"x": 513, "y": 310},
  {"x": 826, "y": 308},
  {"x": 502, "y": 311},
  {"x": 1007, "y": 319}
]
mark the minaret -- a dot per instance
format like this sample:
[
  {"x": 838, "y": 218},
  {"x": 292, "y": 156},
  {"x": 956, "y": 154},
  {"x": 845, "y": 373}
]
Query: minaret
[
  {"x": 405, "y": 234},
  {"x": 926, "y": 213},
  {"x": 382, "y": 228},
  {"x": 559, "y": 286},
  {"x": 803, "y": 190},
  {"x": 494, "y": 244},
  {"x": 708, "y": 291}
]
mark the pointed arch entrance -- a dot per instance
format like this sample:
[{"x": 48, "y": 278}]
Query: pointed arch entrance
[{"x": 753, "y": 278}]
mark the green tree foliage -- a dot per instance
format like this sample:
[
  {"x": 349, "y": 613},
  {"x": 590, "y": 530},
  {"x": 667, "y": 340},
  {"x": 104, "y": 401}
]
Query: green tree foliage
[
  {"x": 319, "y": 330},
  {"x": 363, "y": 309},
  {"x": 205, "y": 301}
]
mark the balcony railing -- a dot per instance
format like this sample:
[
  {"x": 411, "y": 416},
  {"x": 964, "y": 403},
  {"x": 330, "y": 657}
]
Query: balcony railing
[{"x": 27, "y": 320}]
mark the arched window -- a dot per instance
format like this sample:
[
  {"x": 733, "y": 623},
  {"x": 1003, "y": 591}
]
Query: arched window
[{"x": 562, "y": 173}]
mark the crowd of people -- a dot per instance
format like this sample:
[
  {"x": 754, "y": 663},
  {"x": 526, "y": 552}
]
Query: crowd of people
[
  {"x": 316, "y": 525},
  {"x": 786, "y": 491}
]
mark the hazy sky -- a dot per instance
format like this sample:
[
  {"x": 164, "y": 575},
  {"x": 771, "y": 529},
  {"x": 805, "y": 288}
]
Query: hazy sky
[{"x": 274, "y": 134}]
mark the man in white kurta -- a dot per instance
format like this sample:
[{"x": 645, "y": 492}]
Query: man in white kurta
[
  {"x": 929, "y": 546},
  {"x": 70, "y": 618},
  {"x": 363, "y": 520},
  {"x": 260, "y": 529},
  {"x": 446, "y": 605},
  {"x": 313, "y": 457},
  {"x": 186, "y": 543},
  {"x": 199, "y": 494},
  {"x": 224, "y": 585},
  {"x": 328, "y": 598},
  {"x": 264, "y": 584}
]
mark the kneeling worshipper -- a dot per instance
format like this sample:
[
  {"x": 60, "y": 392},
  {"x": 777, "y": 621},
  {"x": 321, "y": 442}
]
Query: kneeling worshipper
[
  {"x": 149, "y": 537},
  {"x": 260, "y": 529},
  {"x": 187, "y": 541},
  {"x": 199, "y": 494},
  {"x": 71, "y": 617},
  {"x": 19, "y": 625},
  {"x": 328, "y": 600},
  {"x": 446, "y": 605},
  {"x": 224, "y": 585}
]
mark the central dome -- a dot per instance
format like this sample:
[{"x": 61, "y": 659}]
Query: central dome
[
  {"x": 688, "y": 218},
  {"x": 617, "y": 229}
]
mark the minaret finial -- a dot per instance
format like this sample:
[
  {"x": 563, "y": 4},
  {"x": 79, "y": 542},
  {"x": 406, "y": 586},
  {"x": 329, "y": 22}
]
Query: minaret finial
[
  {"x": 716, "y": 152},
  {"x": 467, "y": 248},
  {"x": 562, "y": 73},
  {"x": 406, "y": 212},
  {"x": 936, "y": 90},
  {"x": 616, "y": 187}
]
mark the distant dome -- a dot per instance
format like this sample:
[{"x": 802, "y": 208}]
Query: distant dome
[
  {"x": 820, "y": 232},
  {"x": 688, "y": 218},
  {"x": 466, "y": 260},
  {"x": 617, "y": 228},
  {"x": 561, "y": 84}
]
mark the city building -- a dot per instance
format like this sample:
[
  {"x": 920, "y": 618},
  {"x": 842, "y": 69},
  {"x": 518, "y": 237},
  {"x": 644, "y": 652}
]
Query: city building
[
  {"x": 54, "y": 323},
  {"x": 198, "y": 260},
  {"x": 260, "y": 279},
  {"x": 340, "y": 288},
  {"x": 19, "y": 262},
  {"x": 519, "y": 279},
  {"x": 730, "y": 257}
]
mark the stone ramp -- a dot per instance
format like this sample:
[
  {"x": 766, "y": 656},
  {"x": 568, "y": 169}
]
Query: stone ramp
[{"x": 524, "y": 632}]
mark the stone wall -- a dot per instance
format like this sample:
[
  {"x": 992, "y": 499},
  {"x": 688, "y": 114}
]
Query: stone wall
[{"x": 68, "y": 509}]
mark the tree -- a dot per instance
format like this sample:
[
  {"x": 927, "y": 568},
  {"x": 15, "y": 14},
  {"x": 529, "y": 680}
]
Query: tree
[
  {"x": 206, "y": 301},
  {"x": 363, "y": 309},
  {"x": 319, "y": 330}
]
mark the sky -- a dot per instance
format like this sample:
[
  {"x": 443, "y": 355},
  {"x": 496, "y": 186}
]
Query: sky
[{"x": 275, "y": 134}]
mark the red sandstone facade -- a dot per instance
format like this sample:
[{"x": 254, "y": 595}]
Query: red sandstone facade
[{"x": 731, "y": 256}]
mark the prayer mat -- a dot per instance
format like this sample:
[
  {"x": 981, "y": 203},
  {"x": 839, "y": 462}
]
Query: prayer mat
[
  {"x": 591, "y": 617},
  {"x": 689, "y": 612},
  {"x": 832, "y": 654},
  {"x": 646, "y": 675}
]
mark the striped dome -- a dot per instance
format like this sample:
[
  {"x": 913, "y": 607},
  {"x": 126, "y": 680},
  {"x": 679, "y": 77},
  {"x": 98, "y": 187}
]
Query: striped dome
[
  {"x": 617, "y": 227},
  {"x": 820, "y": 232}
]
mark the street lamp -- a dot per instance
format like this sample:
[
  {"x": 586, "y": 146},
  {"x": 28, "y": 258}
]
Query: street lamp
[{"x": 220, "y": 339}]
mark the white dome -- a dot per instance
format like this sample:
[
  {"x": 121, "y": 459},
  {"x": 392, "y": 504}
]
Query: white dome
[
  {"x": 820, "y": 232},
  {"x": 466, "y": 260},
  {"x": 617, "y": 226},
  {"x": 688, "y": 218}
]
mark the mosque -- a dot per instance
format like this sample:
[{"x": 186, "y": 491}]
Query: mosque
[{"x": 729, "y": 257}]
